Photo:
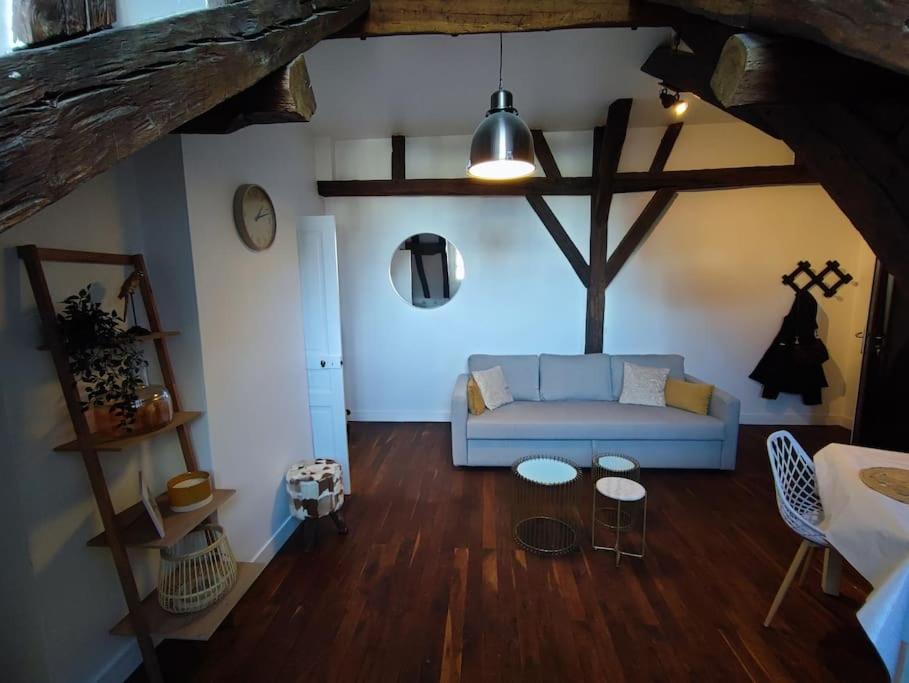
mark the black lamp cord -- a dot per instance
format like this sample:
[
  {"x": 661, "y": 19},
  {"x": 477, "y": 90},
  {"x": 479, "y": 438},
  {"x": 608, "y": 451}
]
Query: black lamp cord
[{"x": 500, "y": 61}]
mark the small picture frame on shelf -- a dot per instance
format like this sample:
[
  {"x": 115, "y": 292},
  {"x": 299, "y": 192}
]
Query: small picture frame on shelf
[{"x": 151, "y": 505}]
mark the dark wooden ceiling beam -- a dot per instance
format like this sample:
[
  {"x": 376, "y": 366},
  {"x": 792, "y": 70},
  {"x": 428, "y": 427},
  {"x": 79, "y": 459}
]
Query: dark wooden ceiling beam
[
  {"x": 72, "y": 110},
  {"x": 657, "y": 206},
  {"x": 860, "y": 169},
  {"x": 397, "y": 17},
  {"x": 41, "y": 21},
  {"x": 544, "y": 155},
  {"x": 445, "y": 187},
  {"x": 667, "y": 144},
  {"x": 560, "y": 237},
  {"x": 872, "y": 31},
  {"x": 714, "y": 178},
  {"x": 758, "y": 69},
  {"x": 605, "y": 164},
  {"x": 830, "y": 142},
  {"x": 637, "y": 233},
  {"x": 285, "y": 96},
  {"x": 634, "y": 181}
]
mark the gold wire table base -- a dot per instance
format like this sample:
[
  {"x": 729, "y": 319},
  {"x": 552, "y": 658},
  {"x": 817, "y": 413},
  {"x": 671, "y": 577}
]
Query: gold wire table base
[
  {"x": 622, "y": 524},
  {"x": 545, "y": 536},
  {"x": 544, "y": 518},
  {"x": 618, "y": 529}
]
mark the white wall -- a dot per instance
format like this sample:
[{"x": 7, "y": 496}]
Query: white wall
[
  {"x": 239, "y": 357},
  {"x": 59, "y": 597},
  {"x": 251, "y": 323},
  {"x": 705, "y": 284},
  {"x": 129, "y": 13}
]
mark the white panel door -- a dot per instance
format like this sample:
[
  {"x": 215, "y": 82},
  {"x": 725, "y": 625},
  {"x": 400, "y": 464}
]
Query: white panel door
[{"x": 322, "y": 335}]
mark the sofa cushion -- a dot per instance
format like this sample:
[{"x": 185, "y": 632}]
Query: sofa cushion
[
  {"x": 493, "y": 387},
  {"x": 521, "y": 372},
  {"x": 576, "y": 378},
  {"x": 675, "y": 363},
  {"x": 591, "y": 420},
  {"x": 643, "y": 385}
]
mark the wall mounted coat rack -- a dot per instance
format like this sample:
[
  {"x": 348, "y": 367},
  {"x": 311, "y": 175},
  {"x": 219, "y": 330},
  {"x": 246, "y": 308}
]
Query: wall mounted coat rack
[{"x": 817, "y": 279}]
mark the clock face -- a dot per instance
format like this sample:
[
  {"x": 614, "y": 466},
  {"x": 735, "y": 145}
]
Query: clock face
[{"x": 254, "y": 215}]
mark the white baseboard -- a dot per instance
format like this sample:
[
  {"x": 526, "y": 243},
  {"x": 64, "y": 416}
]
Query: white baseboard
[
  {"x": 746, "y": 418},
  {"x": 273, "y": 544},
  {"x": 129, "y": 658},
  {"x": 785, "y": 419},
  {"x": 123, "y": 664},
  {"x": 400, "y": 415}
]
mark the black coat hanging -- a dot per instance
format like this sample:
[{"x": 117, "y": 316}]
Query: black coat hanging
[{"x": 792, "y": 364}]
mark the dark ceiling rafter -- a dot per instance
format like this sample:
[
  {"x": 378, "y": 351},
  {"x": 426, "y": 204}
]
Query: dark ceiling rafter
[
  {"x": 402, "y": 17},
  {"x": 562, "y": 239},
  {"x": 630, "y": 181},
  {"x": 654, "y": 210},
  {"x": 667, "y": 144},
  {"x": 544, "y": 156},
  {"x": 861, "y": 163},
  {"x": 607, "y": 152},
  {"x": 549, "y": 220},
  {"x": 875, "y": 32},
  {"x": 72, "y": 110},
  {"x": 757, "y": 69},
  {"x": 285, "y": 96}
]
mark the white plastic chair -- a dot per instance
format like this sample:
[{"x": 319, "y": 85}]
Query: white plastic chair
[{"x": 799, "y": 504}]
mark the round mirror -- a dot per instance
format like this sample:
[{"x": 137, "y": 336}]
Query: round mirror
[{"x": 427, "y": 270}]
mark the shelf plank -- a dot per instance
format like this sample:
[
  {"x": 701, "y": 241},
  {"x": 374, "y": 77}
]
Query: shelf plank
[
  {"x": 139, "y": 337},
  {"x": 198, "y": 626},
  {"x": 124, "y": 442},
  {"x": 136, "y": 528}
]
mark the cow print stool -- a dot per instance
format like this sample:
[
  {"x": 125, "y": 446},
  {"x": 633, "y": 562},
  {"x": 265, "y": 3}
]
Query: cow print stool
[{"x": 316, "y": 490}]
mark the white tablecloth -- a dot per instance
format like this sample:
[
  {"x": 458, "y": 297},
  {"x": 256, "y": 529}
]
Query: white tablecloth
[{"x": 871, "y": 531}]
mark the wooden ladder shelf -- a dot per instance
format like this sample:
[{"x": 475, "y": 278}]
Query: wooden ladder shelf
[{"x": 132, "y": 527}]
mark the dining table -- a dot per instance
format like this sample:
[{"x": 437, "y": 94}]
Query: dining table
[{"x": 870, "y": 530}]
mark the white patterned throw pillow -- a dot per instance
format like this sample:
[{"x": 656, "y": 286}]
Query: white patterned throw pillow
[
  {"x": 493, "y": 387},
  {"x": 644, "y": 386}
]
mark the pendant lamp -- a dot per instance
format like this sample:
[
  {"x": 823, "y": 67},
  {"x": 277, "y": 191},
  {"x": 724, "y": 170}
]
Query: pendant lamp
[{"x": 502, "y": 146}]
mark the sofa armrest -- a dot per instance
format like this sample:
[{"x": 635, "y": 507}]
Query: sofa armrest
[
  {"x": 459, "y": 421},
  {"x": 726, "y": 407}
]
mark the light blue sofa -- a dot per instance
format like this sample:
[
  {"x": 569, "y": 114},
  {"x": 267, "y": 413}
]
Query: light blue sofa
[{"x": 568, "y": 406}]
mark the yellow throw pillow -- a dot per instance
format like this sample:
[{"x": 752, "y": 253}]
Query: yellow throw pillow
[
  {"x": 475, "y": 403},
  {"x": 690, "y": 396}
]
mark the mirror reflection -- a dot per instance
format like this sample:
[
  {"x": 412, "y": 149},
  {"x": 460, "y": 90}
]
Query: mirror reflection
[{"x": 427, "y": 270}]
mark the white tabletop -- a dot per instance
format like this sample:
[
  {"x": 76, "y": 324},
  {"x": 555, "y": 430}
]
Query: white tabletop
[
  {"x": 621, "y": 489},
  {"x": 871, "y": 531}
]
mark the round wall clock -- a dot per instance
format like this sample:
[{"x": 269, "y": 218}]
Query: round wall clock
[{"x": 254, "y": 215}]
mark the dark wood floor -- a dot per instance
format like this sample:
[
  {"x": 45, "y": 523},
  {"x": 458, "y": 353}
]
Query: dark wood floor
[{"x": 429, "y": 586}]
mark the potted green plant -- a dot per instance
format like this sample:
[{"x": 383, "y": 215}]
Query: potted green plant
[{"x": 104, "y": 357}]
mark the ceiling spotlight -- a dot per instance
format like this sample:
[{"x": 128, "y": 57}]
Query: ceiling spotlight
[{"x": 673, "y": 100}]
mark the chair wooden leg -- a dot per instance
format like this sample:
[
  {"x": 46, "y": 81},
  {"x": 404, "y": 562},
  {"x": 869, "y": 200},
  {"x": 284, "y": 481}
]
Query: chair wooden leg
[
  {"x": 806, "y": 565},
  {"x": 833, "y": 569},
  {"x": 787, "y": 580}
]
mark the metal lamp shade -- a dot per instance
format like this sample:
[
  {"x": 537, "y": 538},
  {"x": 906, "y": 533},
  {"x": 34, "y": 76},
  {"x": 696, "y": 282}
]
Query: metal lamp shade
[{"x": 502, "y": 146}]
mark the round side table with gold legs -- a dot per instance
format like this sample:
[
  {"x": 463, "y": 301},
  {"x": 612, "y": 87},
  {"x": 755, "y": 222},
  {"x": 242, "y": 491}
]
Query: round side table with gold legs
[
  {"x": 630, "y": 500},
  {"x": 543, "y": 512},
  {"x": 612, "y": 465}
]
